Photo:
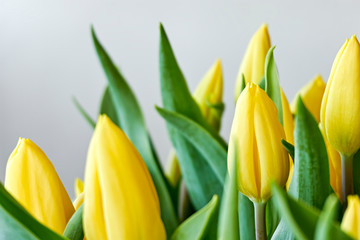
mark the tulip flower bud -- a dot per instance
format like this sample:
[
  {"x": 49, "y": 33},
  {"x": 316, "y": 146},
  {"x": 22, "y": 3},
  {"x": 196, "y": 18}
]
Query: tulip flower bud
[
  {"x": 340, "y": 108},
  {"x": 120, "y": 200},
  {"x": 351, "y": 220},
  {"x": 334, "y": 166},
  {"x": 311, "y": 94},
  {"x": 79, "y": 187},
  {"x": 255, "y": 140},
  {"x": 208, "y": 95},
  {"x": 253, "y": 63},
  {"x": 33, "y": 182}
]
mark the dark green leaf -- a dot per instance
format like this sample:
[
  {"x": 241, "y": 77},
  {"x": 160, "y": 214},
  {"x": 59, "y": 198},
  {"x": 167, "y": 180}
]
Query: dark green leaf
[
  {"x": 300, "y": 217},
  {"x": 201, "y": 181},
  {"x": 327, "y": 217},
  {"x": 289, "y": 148},
  {"x": 311, "y": 179},
  {"x": 132, "y": 123},
  {"x": 272, "y": 218},
  {"x": 214, "y": 153},
  {"x": 74, "y": 228},
  {"x": 228, "y": 228},
  {"x": 356, "y": 172},
  {"x": 197, "y": 226},
  {"x": 246, "y": 218},
  {"x": 17, "y": 223},
  {"x": 107, "y": 107},
  {"x": 84, "y": 113},
  {"x": 272, "y": 85}
]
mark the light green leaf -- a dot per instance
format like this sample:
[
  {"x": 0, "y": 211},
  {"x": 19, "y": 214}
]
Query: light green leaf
[
  {"x": 107, "y": 107},
  {"x": 327, "y": 217},
  {"x": 246, "y": 218},
  {"x": 272, "y": 218},
  {"x": 201, "y": 182},
  {"x": 300, "y": 217},
  {"x": 132, "y": 122},
  {"x": 228, "y": 227},
  {"x": 197, "y": 226},
  {"x": 83, "y": 112},
  {"x": 213, "y": 152},
  {"x": 74, "y": 229},
  {"x": 311, "y": 179},
  {"x": 272, "y": 85},
  {"x": 17, "y": 223}
]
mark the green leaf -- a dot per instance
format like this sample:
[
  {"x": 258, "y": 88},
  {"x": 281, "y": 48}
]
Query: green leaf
[
  {"x": 356, "y": 172},
  {"x": 329, "y": 214},
  {"x": 228, "y": 227},
  {"x": 289, "y": 148},
  {"x": 300, "y": 217},
  {"x": 246, "y": 218},
  {"x": 132, "y": 122},
  {"x": 272, "y": 218},
  {"x": 272, "y": 85},
  {"x": 213, "y": 152},
  {"x": 311, "y": 179},
  {"x": 107, "y": 107},
  {"x": 17, "y": 223},
  {"x": 74, "y": 229},
  {"x": 197, "y": 226},
  {"x": 201, "y": 182},
  {"x": 83, "y": 112},
  {"x": 262, "y": 83}
]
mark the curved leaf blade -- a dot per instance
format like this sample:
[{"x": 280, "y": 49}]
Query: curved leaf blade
[
  {"x": 197, "y": 226},
  {"x": 74, "y": 229},
  {"x": 107, "y": 107}
]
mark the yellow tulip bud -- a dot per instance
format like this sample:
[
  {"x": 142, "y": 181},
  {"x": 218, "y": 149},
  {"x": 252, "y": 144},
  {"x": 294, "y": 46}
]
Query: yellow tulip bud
[
  {"x": 351, "y": 220},
  {"x": 255, "y": 140},
  {"x": 32, "y": 180},
  {"x": 311, "y": 94},
  {"x": 289, "y": 131},
  {"x": 209, "y": 93},
  {"x": 340, "y": 108},
  {"x": 120, "y": 200},
  {"x": 78, "y": 201},
  {"x": 253, "y": 63},
  {"x": 334, "y": 166},
  {"x": 79, "y": 187}
]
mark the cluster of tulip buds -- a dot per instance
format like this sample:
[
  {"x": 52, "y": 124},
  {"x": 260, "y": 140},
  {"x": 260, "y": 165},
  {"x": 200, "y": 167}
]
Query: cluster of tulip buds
[{"x": 287, "y": 171}]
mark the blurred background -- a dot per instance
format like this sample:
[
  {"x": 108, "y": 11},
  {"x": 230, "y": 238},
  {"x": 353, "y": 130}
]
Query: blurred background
[{"x": 47, "y": 56}]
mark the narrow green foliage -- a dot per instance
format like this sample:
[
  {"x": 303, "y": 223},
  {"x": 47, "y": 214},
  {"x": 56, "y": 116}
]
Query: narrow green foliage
[
  {"x": 83, "y": 112},
  {"x": 74, "y": 229}
]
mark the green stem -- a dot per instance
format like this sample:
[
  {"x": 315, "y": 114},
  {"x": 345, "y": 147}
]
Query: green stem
[
  {"x": 260, "y": 223},
  {"x": 346, "y": 177}
]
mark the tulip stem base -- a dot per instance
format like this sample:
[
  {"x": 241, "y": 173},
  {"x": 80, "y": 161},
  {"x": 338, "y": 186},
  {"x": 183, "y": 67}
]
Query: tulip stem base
[
  {"x": 260, "y": 221},
  {"x": 346, "y": 177}
]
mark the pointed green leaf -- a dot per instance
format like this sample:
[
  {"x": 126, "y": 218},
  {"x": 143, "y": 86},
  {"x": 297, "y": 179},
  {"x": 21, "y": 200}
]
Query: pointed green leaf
[
  {"x": 200, "y": 181},
  {"x": 197, "y": 226},
  {"x": 327, "y": 217},
  {"x": 228, "y": 228},
  {"x": 289, "y": 148},
  {"x": 17, "y": 223},
  {"x": 107, "y": 107},
  {"x": 272, "y": 85},
  {"x": 356, "y": 172},
  {"x": 311, "y": 179},
  {"x": 214, "y": 153},
  {"x": 83, "y": 112},
  {"x": 300, "y": 217},
  {"x": 74, "y": 229},
  {"x": 132, "y": 122},
  {"x": 272, "y": 218}
]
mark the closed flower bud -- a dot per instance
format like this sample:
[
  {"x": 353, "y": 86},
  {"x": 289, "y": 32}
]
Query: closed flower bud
[
  {"x": 120, "y": 200},
  {"x": 79, "y": 187},
  {"x": 351, "y": 220},
  {"x": 209, "y": 94},
  {"x": 253, "y": 63},
  {"x": 255, "y": 143},
  {"x": 32, "y": 180},
  {"x": 340, "y": 109},
  {"x": 311, "y": 94}
]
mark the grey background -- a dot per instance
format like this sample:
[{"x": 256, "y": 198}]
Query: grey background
[{"x": 46, "y": 57}]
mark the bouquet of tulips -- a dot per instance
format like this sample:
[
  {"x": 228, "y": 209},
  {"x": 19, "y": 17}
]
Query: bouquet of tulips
[{"x": 287, "y": 172}]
